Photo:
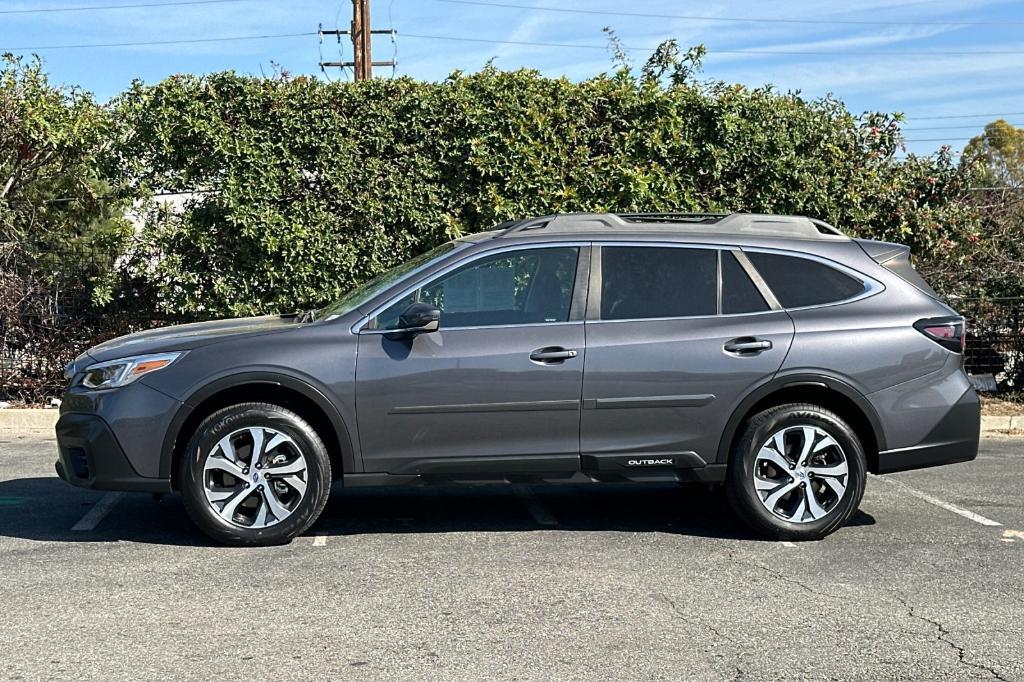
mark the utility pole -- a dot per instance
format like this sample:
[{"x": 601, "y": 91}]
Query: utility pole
[{"x": 362, "y": 45}]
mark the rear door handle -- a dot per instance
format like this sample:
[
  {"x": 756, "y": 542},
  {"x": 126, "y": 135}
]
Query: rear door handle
[
  {"x": 747, "y": 346},
  {"x": 551, "y": 355}
]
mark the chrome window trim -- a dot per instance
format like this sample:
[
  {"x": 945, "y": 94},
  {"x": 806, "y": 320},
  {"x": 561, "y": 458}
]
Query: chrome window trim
[
  {"x": 755, "y": 276},
  {"x": 369, "y": 332},
  {"x": 871, "y": 285},
  {"x": 718, "y": 283},
  {"x": 358, "y": 327},
  {"x": 687, "y": 317}
]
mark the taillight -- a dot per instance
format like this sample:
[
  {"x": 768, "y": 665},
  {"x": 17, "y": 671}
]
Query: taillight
[{"x": 948, "y": 332}]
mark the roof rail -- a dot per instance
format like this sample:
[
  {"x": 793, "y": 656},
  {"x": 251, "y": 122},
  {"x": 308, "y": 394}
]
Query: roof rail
[
  {"x": 703, "y": 223},
  {"x": 707, "y": 218},
  {"x": 777, "y": 226},
  {"x": 567, "y": 222}
]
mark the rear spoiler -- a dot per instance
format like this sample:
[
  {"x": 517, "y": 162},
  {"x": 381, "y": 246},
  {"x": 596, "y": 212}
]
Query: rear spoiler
[
  {"x": 882, "y": 251},
  {"x": 896, "y": 259}
]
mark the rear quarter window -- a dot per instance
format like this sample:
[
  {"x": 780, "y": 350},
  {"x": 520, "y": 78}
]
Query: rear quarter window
[{"x": 800, "y": 282}]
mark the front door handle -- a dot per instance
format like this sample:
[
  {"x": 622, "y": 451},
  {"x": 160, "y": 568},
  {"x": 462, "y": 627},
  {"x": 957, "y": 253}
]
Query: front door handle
[
  {"x": 552, "y": 354},
  {"x": 747, "y": 346}
]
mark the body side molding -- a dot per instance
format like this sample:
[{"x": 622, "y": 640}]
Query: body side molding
[
  {"x": 527, "y": 406},
  {"x": 648, "y": 401}
]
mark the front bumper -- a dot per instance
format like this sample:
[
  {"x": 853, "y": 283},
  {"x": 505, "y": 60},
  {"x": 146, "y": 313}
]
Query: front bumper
[
  {"x": 953, "y": 439},
  {"x": 89, "y": 456}
]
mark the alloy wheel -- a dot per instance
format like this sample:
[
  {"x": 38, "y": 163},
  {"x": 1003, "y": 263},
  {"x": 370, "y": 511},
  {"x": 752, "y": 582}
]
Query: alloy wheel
[
  {"x": 255, "y": 477},
  {"x": 800, "y": 473}
]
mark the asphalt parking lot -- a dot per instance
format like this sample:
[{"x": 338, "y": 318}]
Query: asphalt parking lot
[{"x": 523, "y": 583}]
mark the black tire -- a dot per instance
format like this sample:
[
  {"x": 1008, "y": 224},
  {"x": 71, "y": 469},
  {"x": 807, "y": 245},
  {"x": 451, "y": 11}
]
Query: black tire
[
  {"x": 229, "y": 419},
  {"x": 743, "y": 496}
]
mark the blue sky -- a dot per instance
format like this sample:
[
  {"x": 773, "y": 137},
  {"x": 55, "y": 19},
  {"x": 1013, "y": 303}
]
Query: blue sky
[{"x": 944, "y": 82}]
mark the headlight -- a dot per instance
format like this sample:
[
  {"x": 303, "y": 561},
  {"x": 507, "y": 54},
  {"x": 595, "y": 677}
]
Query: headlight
[{"x": 122, "y": 371}]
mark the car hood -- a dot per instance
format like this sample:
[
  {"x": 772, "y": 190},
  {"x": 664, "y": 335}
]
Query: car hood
[{"x": 186, "y": 336}]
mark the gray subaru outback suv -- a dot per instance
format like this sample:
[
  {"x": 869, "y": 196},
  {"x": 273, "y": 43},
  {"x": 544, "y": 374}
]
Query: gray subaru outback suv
[{"x": 769, "y": 353}]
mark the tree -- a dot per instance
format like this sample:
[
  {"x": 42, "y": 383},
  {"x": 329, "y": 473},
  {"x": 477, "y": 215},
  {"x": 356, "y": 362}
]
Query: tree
[
  {"x": 60, "y": 232},
  {"x": 57, "y": 220},
  {"x": 999, "y": 151},
  {"x": 303, "y": 188}
]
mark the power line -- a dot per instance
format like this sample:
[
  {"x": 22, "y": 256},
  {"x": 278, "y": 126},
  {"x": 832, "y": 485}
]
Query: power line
[
  {"x": 269, "y": 36},
  {"x": 971, "y": 127},
  {"x": 943, "y": 139},
  {"x": 584, "y": 46},
  {"x": 939, "y": 118},
  {"x": 713, "y": 50},
  {"x": 477, "y": 40},
  {"x": 744, "y": 20},
  {"x": 89, "y": 8}
]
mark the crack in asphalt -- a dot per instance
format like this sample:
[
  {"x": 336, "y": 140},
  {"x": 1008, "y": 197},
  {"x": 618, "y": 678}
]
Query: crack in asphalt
[
  {"x": 781, "y": 576},
  {"x": 659, "y": 596},
  {"x": 711, "y": 628},
  {"x": 945, "y": 636}
]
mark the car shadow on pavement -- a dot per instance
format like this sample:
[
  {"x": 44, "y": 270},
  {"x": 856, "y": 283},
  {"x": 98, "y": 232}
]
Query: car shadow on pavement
[
  {"x": 693, "y": 510},
  {"x": 47, "y": 509}
]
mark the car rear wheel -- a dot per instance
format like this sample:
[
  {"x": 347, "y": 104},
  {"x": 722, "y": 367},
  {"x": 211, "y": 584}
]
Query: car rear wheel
[
  {"x": 255, "y": 474},
  {"x": 797, "y": 472}
]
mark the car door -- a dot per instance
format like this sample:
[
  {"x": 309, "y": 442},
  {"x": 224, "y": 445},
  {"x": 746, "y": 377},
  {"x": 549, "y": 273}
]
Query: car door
[
  {"x": 496, "y": 389},
  {"x": 676, "y": 336}
]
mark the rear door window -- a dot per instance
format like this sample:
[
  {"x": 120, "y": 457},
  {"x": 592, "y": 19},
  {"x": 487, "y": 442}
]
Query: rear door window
[
  {"x": 643, "y": 282},
  {"x": 800, "y": 282}
]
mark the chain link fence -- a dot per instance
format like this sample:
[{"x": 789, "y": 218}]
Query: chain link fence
[
  {"x": 994, "y": 355},
  {"x": 35, "y": 346},
  {"x": 48, "y": 317}
]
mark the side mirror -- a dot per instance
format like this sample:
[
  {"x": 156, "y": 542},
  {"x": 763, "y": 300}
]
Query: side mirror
[{"x": 418, "y": 318}]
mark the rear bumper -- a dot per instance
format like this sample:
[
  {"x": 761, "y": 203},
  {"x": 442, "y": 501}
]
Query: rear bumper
[
  {"x": 89, "y": 456},
  {"x": 953, "y": 439}
]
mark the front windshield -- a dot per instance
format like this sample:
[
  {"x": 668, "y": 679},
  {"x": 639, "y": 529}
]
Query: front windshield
[{"x": 362, "y": 293}]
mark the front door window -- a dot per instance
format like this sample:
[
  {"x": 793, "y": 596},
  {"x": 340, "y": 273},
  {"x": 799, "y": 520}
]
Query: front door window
[{"x": 523, "y": 286}]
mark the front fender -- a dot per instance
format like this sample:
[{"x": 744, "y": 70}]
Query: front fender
[{"x": 267, "y": 377}]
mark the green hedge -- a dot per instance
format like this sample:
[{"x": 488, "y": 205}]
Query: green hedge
[{"x": 310, "y": 187}]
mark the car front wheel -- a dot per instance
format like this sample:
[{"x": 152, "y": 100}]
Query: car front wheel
[
  {"x": 797, "y": 472},
  {"x": 255, "y": 474}
]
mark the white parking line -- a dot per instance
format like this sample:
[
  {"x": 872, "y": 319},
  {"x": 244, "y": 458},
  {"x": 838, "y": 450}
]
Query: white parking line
[
  {"x": 93, "y": 517},
  {"x": 1012, "y": 535},
  {"x": 320, "y": 538},
  {"x": 966, "y": 513},
  {"x": 787, "y": 543},
  {"x": 533, "y": 505}
]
